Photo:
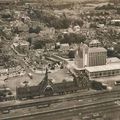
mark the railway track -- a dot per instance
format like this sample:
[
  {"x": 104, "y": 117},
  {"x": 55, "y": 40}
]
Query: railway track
[
  {"x": 105, "y": 105},
  {"x": 57, "y": 99}
]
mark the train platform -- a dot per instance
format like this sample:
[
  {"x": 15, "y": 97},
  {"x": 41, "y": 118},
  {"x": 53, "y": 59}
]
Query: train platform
[{"x": 43, "y": 99}]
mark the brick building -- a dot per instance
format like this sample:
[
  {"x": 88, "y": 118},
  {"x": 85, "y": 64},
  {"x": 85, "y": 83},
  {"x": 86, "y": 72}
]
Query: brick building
[{"x": 48, "y": 87}]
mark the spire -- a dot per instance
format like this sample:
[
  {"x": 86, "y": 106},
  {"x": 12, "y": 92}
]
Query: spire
[
  {"x": 45, "y": 79},
  {"x": 46, "y": 75},
  {"x": 46, "y": 85}
]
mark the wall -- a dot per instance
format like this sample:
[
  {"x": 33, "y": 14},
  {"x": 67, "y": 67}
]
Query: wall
[{"x": 100, "y": 74}]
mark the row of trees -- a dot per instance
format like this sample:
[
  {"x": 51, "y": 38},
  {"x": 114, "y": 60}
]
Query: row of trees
[
  {"x": 82, "y": 80},
  {"x": 52, "y": 19},
  {"x": 71, "y": 38}
]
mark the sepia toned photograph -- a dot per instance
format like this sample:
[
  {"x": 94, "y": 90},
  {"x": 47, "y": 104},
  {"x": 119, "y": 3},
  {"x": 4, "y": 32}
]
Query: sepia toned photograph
[{"x": 59, "y": 59}]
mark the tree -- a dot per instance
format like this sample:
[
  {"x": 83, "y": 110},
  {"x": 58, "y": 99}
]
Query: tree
[
  {"x": 37, "y": 44},
  {"x": 97, "y": 85},
  {"x": 82, "y": 80},
  {"x": 72, "y": 38},
  {"x": 71, "y": 54},
  {"x": 117, "y": 47}
]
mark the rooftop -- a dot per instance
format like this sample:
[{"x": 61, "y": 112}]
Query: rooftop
[
  {"x": 115, "y": 66},
  {"x": 60, "y": 75},
  {"x": 116, "y": 20},
  {"x": 6, "y": 1},
  {"x": 3, "y": 70},
  {"x": 97, "y": 49},
  {"x": 94, "y": 42},
  {"x": 24, "y": 43},
  {"x": 56, "y": 76},
  {"x": 112, "y": 60}
]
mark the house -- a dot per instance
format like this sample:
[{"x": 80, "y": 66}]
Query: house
[
  {"x": 64, "y": 47},
  {"x": 7, "y": 2}
]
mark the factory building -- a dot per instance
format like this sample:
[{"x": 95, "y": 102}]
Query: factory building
[
  {"x": 96, "y": 56},
  {"x": 94, "y": 61},
  {"x": 90, "y": 56},
  {"x": 103, "y": 70}
]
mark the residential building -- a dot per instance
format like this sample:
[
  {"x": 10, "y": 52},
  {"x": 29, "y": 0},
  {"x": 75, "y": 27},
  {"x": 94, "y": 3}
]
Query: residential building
[
  {"x": 21, "y": 46},
  {"x": 64, "y": 47},
  {"x": 24, "y": 46},
  {"x": 94, "y": 43}
]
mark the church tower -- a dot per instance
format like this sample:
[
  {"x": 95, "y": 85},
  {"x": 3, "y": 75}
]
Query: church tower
[{"x": 46, "y": 85}]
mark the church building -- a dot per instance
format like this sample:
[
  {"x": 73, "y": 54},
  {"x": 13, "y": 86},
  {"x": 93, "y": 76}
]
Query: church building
[{"x": 47, "y": 87}]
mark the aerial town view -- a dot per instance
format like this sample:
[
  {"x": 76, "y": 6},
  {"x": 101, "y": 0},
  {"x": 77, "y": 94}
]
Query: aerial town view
[{"x": 59, "y": 59}]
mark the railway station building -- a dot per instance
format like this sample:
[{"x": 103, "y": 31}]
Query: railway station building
[{"x": 47, "y": 87}]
